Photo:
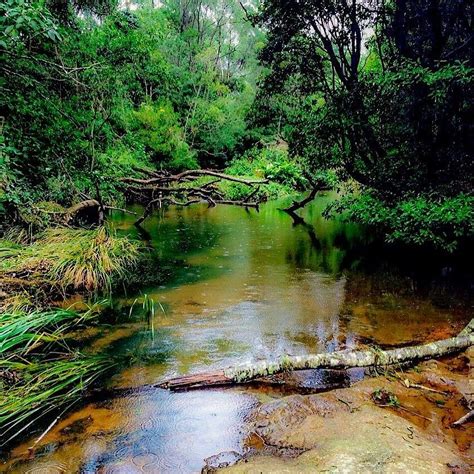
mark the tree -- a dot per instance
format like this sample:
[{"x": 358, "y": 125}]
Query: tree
[{"x": 383, "y": 95}]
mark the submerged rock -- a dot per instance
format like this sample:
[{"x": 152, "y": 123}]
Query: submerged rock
[{"x": 223, "y": 459}]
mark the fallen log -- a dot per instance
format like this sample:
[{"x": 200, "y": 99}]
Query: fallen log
[
  {"x": 330, "y": 360},
  {"x": 74, "y": 210}
]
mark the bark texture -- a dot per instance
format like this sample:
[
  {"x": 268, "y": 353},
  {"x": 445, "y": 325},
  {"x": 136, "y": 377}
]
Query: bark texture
[
  {"x": 328, "y": 360},
  {"x": 73, "y": 211}
]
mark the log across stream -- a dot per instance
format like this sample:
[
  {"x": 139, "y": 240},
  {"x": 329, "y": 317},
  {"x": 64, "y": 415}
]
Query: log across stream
[{"x": 329, "y": 360}]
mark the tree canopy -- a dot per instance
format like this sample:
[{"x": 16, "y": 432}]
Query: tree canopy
[
  {"x": 372, "y": 97},
  {"x": 381, "y": 93}
]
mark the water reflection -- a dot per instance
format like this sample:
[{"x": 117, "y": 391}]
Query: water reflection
[{"x": 235, "y": 286}]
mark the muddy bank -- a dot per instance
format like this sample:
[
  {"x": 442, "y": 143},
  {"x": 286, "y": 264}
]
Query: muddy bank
[{"x": 345, "y": 430}]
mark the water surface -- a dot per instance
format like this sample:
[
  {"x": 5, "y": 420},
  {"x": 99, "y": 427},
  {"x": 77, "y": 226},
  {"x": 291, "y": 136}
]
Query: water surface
[{"x": 234, "y": 286}]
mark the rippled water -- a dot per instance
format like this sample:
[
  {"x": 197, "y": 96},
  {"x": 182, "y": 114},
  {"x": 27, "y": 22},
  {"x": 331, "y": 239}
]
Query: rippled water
[{"x": 238, "y": 285}]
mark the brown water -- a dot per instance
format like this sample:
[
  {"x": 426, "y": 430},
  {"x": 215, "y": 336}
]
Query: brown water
[{"x": 237, "y": 285}]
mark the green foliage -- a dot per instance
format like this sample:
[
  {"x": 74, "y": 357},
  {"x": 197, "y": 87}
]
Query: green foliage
[
  {"x": 96, "y": 101},
  {"x": 273, "y": 163},
  {"x": 395, "y": 119},
  {"x": 23, "y": 20},
  {"x": 158, "y": 128},
  {"x": 92, "y": 260},
  {"x": 441, "y": 224}
]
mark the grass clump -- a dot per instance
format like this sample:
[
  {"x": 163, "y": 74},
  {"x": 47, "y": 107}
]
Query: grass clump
[
  {"x": 70, "y": 259},
  {"x": 39, "y": 373}
]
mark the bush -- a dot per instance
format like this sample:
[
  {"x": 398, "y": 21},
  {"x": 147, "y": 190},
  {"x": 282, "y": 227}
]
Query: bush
[
  {"x": 419, "y": 221},
  {"x": 285, "y": 175},
  {"x": 157, "y": 126}
]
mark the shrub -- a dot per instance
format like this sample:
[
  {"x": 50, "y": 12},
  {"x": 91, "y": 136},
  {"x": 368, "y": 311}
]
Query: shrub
[
  {"x": 285, "y": 175},
  {"x": 440, "y": 223}
]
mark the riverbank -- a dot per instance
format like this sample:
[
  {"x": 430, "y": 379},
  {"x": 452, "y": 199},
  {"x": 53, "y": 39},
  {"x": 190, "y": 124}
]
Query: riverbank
[
  {"x": 44, "y": 368},
  {"x": 401, "y": 421}
]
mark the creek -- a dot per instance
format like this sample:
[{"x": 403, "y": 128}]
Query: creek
[{"x": 238, "y": 285}]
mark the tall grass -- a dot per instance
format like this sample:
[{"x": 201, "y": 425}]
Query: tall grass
[
  {"x": 35, "y": 381},
  {"x": 20, "y": 332},
  {"x": 77, "y": 259},
  {"x": 39, "y": 373},
  {"x": 45, "y": 387}
]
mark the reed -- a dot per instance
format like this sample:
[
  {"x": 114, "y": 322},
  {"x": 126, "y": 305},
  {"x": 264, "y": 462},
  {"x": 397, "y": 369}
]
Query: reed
[
  {"x": 44, "y": 388},
  {"x": 38, "y": 372},
  {"x": 20, "y": 332}
]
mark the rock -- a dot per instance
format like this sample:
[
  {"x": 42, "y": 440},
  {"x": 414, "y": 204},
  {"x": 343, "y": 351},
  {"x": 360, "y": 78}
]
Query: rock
[
  {"x": 218, "y": 461},
  {"x": 344, "y": 431},
  {"x": 371, "y": 440}
]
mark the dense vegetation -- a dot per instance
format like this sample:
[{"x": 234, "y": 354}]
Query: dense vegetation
[
  {"x": 381, "y": 93},
  {"x": 93, "y": 93},
  {"x": 373, "y": 99}
]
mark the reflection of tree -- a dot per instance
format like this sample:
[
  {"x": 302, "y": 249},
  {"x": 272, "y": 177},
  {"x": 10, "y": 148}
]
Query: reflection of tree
[{"x": 331, "y": 252}]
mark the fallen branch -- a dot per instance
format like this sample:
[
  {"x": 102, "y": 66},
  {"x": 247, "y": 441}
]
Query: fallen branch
[
  {"x": 464, "y": 419},
  {"x": 183, "y": 189},
  {"x": 125, "y": 211},
  {"x": 72, "y": 211},
  {"x": 317, "y": 187},
  {"x": 168, "y": 178},
  {"x": 299, "y": 204},
  {"x": 329, "y": 360}
]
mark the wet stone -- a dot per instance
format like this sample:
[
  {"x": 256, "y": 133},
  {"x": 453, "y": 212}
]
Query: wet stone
[{"x": 219, "y": 461}]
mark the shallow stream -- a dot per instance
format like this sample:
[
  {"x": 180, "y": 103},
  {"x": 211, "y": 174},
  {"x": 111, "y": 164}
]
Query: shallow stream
[{"x": 238, "y": 285}]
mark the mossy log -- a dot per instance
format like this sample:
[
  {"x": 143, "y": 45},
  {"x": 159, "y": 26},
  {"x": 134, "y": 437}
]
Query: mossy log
[
  {"x": 76, "y": 209},
  {"x": 330, "y": 360}
]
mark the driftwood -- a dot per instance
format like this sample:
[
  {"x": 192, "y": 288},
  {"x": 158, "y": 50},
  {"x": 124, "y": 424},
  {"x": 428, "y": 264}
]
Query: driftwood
[
  {"x": 182, "y": 189},
  {"x": 331, "y": 360}
]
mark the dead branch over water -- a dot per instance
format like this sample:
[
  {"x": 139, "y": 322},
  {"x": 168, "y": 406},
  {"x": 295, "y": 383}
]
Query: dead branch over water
[{"x": 161, "y": 187}]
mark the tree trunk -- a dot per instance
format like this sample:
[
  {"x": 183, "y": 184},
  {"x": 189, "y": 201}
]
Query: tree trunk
[{"x": 329, "y": 360}]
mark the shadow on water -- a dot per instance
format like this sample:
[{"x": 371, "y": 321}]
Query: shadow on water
[{"x": 237, "y": 286}]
